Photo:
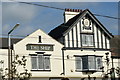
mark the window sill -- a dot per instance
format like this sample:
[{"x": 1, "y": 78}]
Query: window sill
[
  {"x": 42, "y": 70},
  {"x": 92, "y": 46},
  {"x": 88, "y": 70}
]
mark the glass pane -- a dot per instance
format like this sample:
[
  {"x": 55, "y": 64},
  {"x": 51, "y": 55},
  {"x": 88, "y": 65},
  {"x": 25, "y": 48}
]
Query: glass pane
[
  {"x": 34, "y": 62},
  {"x": 91, "y": 62},
  {"x": 55, "y": 79},
  {"x": 78, "y": 62},
  {"x": 85, "y": 62},
  {"x": 98, "y": 62},
  {"x": 84, "y": 40},
  {"x": 40, "y": 62},
  {"x": 90, "y": 40},
  {"x": 47, "y": 62},
  {"x": 87, "y": 40}
]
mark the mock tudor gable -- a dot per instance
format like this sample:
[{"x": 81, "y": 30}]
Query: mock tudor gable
[{"x": 83, "y": 30}]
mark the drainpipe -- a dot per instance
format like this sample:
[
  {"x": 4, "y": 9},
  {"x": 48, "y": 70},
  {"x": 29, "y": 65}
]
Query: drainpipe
[
  {"x": 63, "y": 62},
  {"x": 113, "y": 71},
  {"x": 112, "y": 62}
]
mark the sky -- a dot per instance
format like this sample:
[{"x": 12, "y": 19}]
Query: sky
[{"x": 31, "y": 17}]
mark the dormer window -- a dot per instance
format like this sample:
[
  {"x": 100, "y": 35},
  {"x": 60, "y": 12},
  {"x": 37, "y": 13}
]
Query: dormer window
[{"x": 87, "y": 40}]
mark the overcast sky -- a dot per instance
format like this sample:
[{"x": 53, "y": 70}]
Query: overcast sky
[{"x": 33, "y": 17}]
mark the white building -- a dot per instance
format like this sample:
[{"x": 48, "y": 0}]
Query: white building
[
  {"x": 86, "y": 41},
  {"x": 44, "y": 55},
  {"x": 75, "y": 50}
]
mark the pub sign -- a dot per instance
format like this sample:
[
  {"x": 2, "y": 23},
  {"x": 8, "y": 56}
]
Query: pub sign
[{"x": 40, "y": 47}]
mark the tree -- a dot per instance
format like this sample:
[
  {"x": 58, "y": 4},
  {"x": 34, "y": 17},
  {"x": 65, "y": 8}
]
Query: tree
[
  {"x": 118, "y": 71},
  {"x": 1, "y": 69},
  {"x": 14, "y": 73}
]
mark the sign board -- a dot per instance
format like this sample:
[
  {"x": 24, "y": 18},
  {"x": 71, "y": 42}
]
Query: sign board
[
  {"x": 40, "y": 47},
  {"x": 87, "y": 27}
]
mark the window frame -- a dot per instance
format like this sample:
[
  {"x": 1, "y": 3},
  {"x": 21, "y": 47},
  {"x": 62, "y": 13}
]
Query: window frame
[
  {"x": 87, "y": 35},
  {"x": 98, "y": 69},
  {"x": 32, "y": 61},
  {"x": 37, "y": 61},
  {"x": 45, "y": 62},
  {"x": 80, "y": 62},
  {"x": 88, "y": 67}
]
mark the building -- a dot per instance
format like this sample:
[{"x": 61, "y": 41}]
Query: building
[
  {"x": 43, "y": 54},
  {"x": 86, "y": 44},
  {"x": 115, "y": 50},
  {"x": 78, "y": 49}
]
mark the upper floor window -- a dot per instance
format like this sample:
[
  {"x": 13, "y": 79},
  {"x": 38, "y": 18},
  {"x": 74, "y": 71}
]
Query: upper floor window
[
  {"x": 88, "y": 63},
  {"x": 87, "y": 40},
  {"x": 40, "y": 39},
  {"x": 40, "y": 62}
]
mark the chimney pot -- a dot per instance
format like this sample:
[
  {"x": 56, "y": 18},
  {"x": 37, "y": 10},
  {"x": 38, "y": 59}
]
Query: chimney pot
[
  {"x": 65, "y": 9},
  {"x": 70, "y": 13},
  {"x": 76, "y": 10},
  {"x": 73, "y": 10},
  {"x": 79, "y": 10},
  {"x": 68, "y": 9}
]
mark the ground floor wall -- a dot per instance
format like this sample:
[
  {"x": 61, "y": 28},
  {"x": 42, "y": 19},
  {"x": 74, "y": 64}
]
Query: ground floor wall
[{"x": 79, "y": 78}]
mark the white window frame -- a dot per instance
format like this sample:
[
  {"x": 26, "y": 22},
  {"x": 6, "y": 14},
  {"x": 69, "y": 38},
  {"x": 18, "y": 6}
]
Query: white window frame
[
  {"x": 37, "y": 61},
  {"x": 42, "y": 63},
  {"x": 88, "y": 67},
  {"x": 32, "y": 61},
  {"x": 86, "y": 38},
  {"x": 98, "y": 69},
  {"x": 45, "y": 64},
  {"x": 76, "y": 63}
]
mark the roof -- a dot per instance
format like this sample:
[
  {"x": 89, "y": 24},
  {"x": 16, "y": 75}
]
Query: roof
[
  {"x": 62, "y": 28},
  {"x": 115, "y": 47},
  {"x": 59, "y": 31},
  {"x": 4, "y": 42}
]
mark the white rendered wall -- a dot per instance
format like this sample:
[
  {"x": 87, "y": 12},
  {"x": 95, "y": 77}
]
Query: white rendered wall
[
  {"x": 70, "y": 63},
  {"x": 55, "y": 58}
]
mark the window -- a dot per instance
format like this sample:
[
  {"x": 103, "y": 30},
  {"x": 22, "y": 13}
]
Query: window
[
  {"x": 87, "y": 40},
  {"x": 91, "y": 62},
  {"x": 40, "y": 62},
  {"x": 34, "y": 62},
  {"x": 40, "y": 39},
  {"x": 54, "y": 78},
  {"x": 78, "y": 63},
  {"x": 98, "y": 63},
  {"x": 88, "y": 63}
]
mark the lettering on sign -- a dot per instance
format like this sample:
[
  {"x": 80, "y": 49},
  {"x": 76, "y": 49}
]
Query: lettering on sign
[
  {"x": 87, "y": 28},
  {"x": 41, "y": 47}
]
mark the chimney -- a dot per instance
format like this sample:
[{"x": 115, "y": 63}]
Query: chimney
[{"x": 70, "y": 13}]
